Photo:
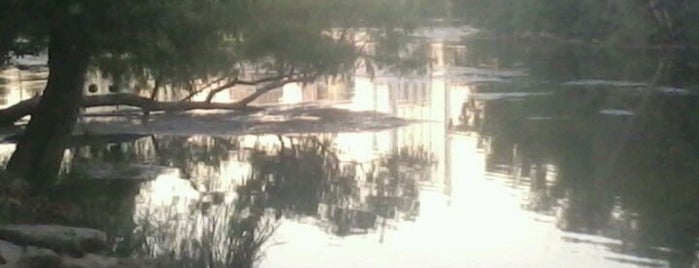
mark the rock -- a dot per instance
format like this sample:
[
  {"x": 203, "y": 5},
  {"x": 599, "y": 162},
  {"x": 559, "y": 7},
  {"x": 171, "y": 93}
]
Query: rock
[
  {"x": 38, "y": 258},
  {"x": 135, "y": 263},
  {"x": 27, "y": 257},
  {"x": 90, "y": 261},
  {"x": 9, "y": 253},
  {"x": 32, "y": 257},
  {"x": 62, "y": 239},
  {"x": 99, "y": 261}
]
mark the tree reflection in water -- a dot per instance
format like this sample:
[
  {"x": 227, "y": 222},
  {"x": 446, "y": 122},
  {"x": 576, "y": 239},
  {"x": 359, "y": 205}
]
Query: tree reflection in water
[
  {"x": 305, "y": 177},
  {"x": 175, "y": 221},
  {"x": 212, "y": 217},
  {"x": 631, "y": 178}
]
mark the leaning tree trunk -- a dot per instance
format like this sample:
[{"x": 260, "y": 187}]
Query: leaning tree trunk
[
  {"x": 7, "y": 36},
  {"x": 8, "y": 29},
  {"x": 39, "y": 153}
]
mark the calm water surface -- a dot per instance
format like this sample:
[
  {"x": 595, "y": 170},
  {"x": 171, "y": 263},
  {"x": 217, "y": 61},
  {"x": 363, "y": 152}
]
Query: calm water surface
[{"x": 523, "y": 157}]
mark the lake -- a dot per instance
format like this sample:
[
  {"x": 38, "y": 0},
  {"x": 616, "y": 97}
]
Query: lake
[{"x": 513, "y": 153}]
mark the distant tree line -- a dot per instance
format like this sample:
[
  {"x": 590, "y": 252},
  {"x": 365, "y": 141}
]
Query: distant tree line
[{"x": 621, "y": 22}]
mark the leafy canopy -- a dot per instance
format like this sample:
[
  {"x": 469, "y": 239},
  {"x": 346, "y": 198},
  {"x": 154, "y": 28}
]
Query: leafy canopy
[
  {"x": 181, "y": 41},
  {"x": 621, "y": 22}
]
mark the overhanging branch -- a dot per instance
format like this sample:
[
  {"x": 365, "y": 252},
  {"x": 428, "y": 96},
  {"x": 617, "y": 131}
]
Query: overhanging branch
[
  {"x": 227, "y": 85},
  {"x": 24, "y": 108},
  {"x": 274, "y": 85},
  {"x": 233, "y": 83}
]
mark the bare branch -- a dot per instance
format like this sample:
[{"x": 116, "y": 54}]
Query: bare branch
[
  {"x": 213, "y": 82},
  {"x": 24, "y": 108},
  {"x": 156, "y": 87},
  {"x": 264, "y": 80},
  {"x": 232, "y": 83},
  {"x": 229, "y": 84},
  {"x": 215, "y": 91},
  {"x": 272, "y": 86}
]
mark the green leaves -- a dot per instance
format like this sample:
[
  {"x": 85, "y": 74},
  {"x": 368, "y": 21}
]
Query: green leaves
[{"x": 183, "y": 41}]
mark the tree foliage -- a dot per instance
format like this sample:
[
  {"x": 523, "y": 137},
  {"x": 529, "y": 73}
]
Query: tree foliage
[
  {"x": 181, "y": 44},
  {"x": 628, "y": 22}
]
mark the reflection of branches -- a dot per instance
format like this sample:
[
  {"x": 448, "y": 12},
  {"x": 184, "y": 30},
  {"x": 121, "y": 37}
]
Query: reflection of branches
[
  {"x": 632, "y": 179},
  {"x": 295, "y": 178},
  {"x": 323, "y": 146},
  {"x": 187, "y": 153},
  {"x": 181, "y": 152},
  {"x": 641, "y": 109},
  {"x": 306, "y": 178}
]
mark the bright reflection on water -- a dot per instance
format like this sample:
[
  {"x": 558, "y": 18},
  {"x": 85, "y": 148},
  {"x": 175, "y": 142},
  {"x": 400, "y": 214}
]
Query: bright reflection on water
[
  {"x": 415, "y": 196},
  {"x": 501, "y": 171}
]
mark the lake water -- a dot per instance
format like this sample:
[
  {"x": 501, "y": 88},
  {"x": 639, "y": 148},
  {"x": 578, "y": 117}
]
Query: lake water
[{"x": 520, "y": 155}]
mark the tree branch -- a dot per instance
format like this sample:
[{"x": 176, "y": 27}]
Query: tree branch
[
  {"x": 215, "y": 81},
  {"x": 232, "y": 83},
  {"x": 24, "y": 108},
  {"x": 200, "y": 90},
  {"x": 272, "y": 86},
  {"x": 156, "y": 87},
  {"x": 215, "y": 91}
]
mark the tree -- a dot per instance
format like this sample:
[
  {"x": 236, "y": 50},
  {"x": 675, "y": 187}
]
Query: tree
[
  {"x": 623, "y": 22},
  {"x": 182, "y": 44}
]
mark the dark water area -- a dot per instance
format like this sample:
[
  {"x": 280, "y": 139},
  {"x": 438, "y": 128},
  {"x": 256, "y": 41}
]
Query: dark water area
[{"x": 524, "y": 156}]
